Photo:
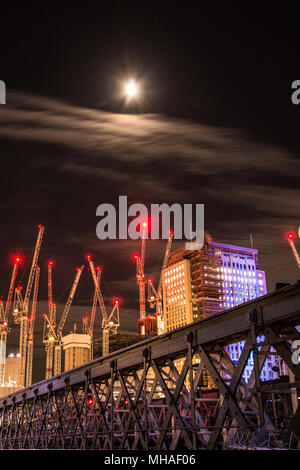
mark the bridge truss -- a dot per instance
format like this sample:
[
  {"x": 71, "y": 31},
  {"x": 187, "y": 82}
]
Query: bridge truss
[{"x": 176, "y": 391}]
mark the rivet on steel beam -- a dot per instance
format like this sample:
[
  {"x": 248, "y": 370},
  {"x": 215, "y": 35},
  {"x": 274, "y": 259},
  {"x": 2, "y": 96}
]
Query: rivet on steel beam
[{"x": 251, "y": 316}]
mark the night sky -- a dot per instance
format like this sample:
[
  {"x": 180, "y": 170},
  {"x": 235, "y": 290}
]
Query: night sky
[{"x": 215, "y": 125}]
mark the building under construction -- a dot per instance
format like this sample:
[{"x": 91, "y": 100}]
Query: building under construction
[
  {"x": 191, "y": 288},
  {"x": 200, "y": 283}
]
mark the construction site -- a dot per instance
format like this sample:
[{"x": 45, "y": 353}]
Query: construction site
[
  {"x": 63, "y": 352},
  {"x": 193, "y": 287}
]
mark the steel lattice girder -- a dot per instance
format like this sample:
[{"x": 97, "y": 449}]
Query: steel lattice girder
[{"x": 151, "y": 395}]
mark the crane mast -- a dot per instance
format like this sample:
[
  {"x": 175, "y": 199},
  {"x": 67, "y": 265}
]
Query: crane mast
[
  {"x": 90, "y": 329},
  {"x": 290, "y": 238},
  {"x": 140, "y": 274},
  {"x": 31, "y": 323},
  {"x": 51, "y": 304},
  {"x": 97, "y": 289},
  {"x": 165, "y": 262},
  {"x": 49, "y": 339},
  {"x": 33, "y": 267},
  {"x": 20, "y": 311},
  {"x": 3, "y": 339},
  {"x": 49, "y": 327},
  {"x": 110, "y": 323},
  {"x": 4, "y": 319},
  {"x": 57, "y": 350},
  {"x": 155, "y": 296},
  {"x": 12, "y": 286}
]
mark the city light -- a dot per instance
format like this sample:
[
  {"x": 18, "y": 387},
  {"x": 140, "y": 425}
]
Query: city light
[{"x": 90, "y": 400}]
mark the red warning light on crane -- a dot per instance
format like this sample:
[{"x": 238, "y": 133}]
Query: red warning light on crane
[
  {"x": 135, "y": 256},
  {"x": 117, "y": 302},
  {"x": 290, "y": 236},
  {"x": 88, "y": 257},
  {"x": 50, "y": 263},
  {"x": 98, "y": 268}
]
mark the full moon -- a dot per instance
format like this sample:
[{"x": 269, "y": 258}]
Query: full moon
[{"x": 131, "y": 89}]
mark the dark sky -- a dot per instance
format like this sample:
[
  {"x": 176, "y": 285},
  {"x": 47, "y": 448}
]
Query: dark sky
[{"x": 215, "y": 125}]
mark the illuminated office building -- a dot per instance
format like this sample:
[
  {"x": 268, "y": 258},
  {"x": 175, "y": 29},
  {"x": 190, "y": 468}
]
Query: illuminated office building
[{"x": 201, "y": 283}]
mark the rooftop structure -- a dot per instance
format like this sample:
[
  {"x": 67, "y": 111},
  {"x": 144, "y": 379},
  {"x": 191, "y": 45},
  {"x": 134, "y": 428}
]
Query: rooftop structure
[{"x": 77, "y": 349}]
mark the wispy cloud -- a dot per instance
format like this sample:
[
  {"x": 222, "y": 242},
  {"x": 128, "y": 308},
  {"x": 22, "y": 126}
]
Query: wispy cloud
[{"x": 246, "y": 185}]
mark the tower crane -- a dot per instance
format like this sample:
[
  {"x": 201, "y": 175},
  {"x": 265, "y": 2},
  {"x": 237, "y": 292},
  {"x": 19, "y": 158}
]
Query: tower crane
[
  {"x": 51, "y": 303},
  {"x": 155, "y": 295},
  {"x": 50, "y": 325},
  {"x": 4, "y": 312},
  {"x": 140, "y": 274},
  {"x": 111, "y": 322},
  {"x": 20, "y": 310},
  {"x": 3, "y": 339},
  {"x": 89, "y": 327},
  {"x": 290, "y": 238},
  {"x": 31, "y": 322},
  {"x": 57, "y": 335}
]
